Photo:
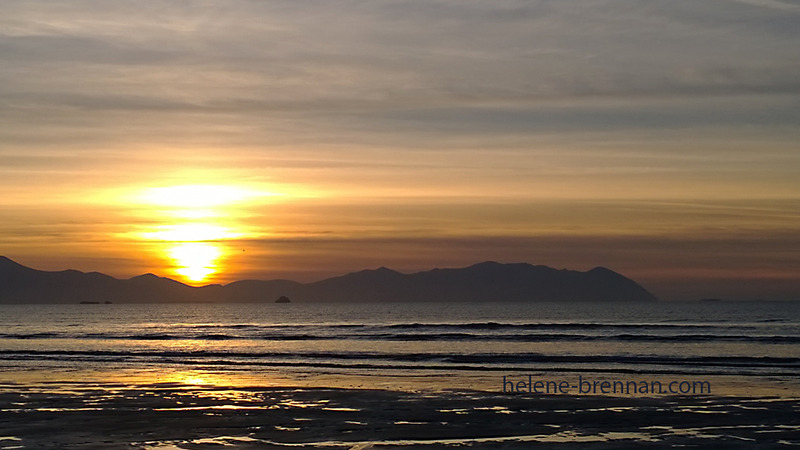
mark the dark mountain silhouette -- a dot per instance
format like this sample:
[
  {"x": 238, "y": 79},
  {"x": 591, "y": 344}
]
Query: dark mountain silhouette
[{"x": 484, "y": 282}]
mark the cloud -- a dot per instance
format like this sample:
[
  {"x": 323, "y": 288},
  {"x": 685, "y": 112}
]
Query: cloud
[
  {"x": 787, "y": 6},
  {"x": 440, "y": 102},
  {"x": 387, "y": 54}
]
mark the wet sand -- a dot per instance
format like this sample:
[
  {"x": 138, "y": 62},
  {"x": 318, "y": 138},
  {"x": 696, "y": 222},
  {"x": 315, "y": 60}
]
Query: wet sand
[{"x": 206, "y": 413}]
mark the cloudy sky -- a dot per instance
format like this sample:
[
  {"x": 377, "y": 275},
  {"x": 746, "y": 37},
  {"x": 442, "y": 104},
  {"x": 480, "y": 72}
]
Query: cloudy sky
[{"x": 211, "y": 141}]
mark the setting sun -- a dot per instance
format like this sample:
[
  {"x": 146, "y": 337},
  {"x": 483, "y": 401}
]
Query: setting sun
[
  {"x": 191, "y": 224},
  {"x": 195, "y": 261}
]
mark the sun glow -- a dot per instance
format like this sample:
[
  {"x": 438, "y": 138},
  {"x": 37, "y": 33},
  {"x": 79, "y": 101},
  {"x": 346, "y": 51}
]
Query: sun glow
[
  {"x": 191, "y": 232},
  {"x": 200, "y": 196},
  {"x": 196, "y": 261},
  {"x": 194, "y": 225}
]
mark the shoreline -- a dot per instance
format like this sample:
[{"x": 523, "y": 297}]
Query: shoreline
[
  {"x": 160, "y": 409},
  {"x": 431, "y": 381},
  {"x": 180, "y": 417}
]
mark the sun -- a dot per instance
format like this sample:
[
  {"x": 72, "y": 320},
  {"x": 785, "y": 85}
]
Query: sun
[
  {"x": 196, "y": 261},
  {"x": 194, "y": 224}
]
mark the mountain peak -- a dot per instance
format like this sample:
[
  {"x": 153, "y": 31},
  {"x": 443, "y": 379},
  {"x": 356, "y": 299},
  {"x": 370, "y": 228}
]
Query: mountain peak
[
  {"x": 379, "y": 270},
  {"x": 8, "y": 262},
  {"x": 9, "y": 266},
  {"x": 499, "y": 265},
  {"x": 605, "y": 272},
  {"x": 146, "y": 276},
  {"x": 486, "y": 264}
]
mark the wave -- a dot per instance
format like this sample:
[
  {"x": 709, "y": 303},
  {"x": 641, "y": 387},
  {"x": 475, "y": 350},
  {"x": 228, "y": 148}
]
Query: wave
[
  {"x": 30, "y": 335},
  {"x": 492, "y": 326},
  {"x": 545, "y": 325},
  {"x": 419, "y": 336},
  {"x": 438, "y": 356},
  {"x": 434, "y": 360}
]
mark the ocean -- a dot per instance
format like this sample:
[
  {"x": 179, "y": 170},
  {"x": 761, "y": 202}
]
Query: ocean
[
  {"x": 699, "y": 338},
  {"x": 416, "y": 375}
]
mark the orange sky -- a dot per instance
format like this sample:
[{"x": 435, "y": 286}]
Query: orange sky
[{"x": 211, "y": 142}]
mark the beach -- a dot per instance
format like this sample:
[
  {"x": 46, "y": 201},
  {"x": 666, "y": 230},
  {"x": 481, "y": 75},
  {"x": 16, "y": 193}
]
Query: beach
[
  {"x": 399, "y": 376},
  {"x": 198, "y": 410}
]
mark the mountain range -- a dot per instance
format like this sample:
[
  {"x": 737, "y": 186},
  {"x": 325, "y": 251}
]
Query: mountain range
[{"x": 483, "y": 282}]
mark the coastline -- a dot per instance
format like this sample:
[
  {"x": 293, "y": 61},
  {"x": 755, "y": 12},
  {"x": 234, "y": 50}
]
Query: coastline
[
  {"x": 395, "y": 376},
  {"x": 174, "y": 408},
  {"x": 418, "y": 381}
]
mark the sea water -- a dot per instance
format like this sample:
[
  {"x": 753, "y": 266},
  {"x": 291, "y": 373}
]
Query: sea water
[{"x": 745, "y": 339}]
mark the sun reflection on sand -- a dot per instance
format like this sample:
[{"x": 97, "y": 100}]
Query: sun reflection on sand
[{"x": 185, "y": 378}]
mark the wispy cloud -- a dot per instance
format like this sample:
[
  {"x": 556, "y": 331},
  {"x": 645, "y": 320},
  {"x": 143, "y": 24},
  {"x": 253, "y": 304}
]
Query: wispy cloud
[
  {"x": 773, "y": 4},
  {"x": 448, "y": 101}
]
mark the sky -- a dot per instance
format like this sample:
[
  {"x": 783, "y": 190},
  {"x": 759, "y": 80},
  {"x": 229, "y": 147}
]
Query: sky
[{"x": 212, "y": 141}]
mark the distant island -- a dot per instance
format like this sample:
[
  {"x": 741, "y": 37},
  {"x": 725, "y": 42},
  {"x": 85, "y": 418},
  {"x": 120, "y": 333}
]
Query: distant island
[{"x": 483, "y": 282}]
